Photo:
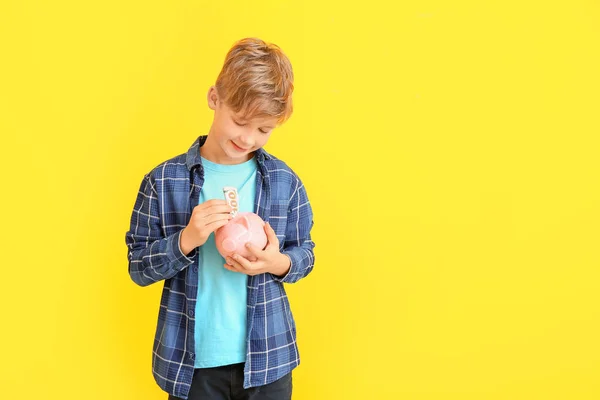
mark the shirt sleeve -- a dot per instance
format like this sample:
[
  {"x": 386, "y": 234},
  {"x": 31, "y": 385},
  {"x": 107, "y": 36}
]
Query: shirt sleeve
[
  {"x": 298, "y": 244},
  {"x": 152, "y": 256}
]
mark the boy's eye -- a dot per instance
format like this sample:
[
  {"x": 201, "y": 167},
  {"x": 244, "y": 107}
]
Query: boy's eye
[{"x": 240, "y": 124}]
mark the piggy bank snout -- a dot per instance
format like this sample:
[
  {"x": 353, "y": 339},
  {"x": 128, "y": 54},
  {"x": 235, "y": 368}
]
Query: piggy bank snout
[
  {"x": 229, "y": 245},
  {"x": 235, "y": 238}
]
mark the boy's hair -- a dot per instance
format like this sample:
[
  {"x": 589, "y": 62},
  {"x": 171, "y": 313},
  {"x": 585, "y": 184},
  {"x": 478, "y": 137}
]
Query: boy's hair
[{"x": 257, "y": 80}]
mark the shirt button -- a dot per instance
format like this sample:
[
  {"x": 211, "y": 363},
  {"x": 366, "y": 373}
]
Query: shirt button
[
  {"x": 191, "y": 312},
  {"x": 191, "y": 356},
  {"x": 195, "y": 268}
]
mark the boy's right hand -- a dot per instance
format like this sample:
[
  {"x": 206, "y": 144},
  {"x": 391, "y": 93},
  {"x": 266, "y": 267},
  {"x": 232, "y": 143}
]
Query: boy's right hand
[{"x": 206, "y": 218}]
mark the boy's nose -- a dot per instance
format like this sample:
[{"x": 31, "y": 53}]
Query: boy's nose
[{"x": 246, "y": 142}]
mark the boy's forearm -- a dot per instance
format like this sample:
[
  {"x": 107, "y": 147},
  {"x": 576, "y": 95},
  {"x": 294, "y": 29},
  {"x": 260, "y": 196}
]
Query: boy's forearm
[
  {"x": 302, "y": 261},
  {"x": 151, "y": 256},
  {"x": 160, "y": 260},
  {"x": 298, "y": 245}
]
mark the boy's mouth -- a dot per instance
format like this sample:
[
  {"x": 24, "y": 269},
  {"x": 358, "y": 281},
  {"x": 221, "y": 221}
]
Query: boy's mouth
[{"x": 238, "y": 148}]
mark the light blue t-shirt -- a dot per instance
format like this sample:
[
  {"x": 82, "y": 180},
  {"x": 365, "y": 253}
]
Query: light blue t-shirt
[{"x": 220, "y": 327}]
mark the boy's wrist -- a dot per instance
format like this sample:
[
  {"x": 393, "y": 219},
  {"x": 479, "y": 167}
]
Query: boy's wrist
[
  {"x": 183, "y": 245},
  {"x": 283, "y": 266}
]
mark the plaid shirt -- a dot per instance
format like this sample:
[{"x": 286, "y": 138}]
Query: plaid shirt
[{"x": 162, "y": 209}]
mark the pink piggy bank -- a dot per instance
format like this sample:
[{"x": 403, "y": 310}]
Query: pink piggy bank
[{"x": 243, "y": 228}]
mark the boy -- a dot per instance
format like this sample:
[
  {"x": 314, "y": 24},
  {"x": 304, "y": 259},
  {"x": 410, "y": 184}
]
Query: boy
[{"x": 225, "y": 329}]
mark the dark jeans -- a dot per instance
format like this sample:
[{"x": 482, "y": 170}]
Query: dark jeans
[{"x": 226, "y": 383}]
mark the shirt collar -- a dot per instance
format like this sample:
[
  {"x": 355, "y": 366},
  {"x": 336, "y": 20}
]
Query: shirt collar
[{"x": 193, "y": 154}]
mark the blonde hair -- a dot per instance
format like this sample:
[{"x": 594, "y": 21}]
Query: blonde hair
[{"x": 257, "y": 80}]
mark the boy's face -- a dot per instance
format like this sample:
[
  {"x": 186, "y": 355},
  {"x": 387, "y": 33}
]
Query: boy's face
[{"x": 233, "y": 139}]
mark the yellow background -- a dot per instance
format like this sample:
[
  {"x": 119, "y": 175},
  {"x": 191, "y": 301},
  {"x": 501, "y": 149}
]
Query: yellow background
[{"x": 449, "y": 149}]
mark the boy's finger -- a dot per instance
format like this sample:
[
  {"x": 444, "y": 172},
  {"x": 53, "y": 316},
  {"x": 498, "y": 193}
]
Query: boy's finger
[
  {"x": 230, "y": 268},
  {"x": 240, "y": 262},
  {"x": 271, "y": 236},
  {"x": 213, "y": 202},
  {"x": 218, "y": 208},
  {"x": 210, "y": 206},
  {"x": 233, "y": 264},
  {"x": 256, "y": 252}
]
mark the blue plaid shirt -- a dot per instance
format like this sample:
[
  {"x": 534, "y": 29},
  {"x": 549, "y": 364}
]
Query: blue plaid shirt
[{"x": 162, "y": 209}]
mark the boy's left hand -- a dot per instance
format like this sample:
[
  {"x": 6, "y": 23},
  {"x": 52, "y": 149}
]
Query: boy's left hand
[{"x": 267, "y": 260}]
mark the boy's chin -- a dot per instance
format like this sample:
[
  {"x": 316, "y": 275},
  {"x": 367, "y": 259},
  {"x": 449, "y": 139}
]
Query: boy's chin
[{"x": 235, "y": 155}]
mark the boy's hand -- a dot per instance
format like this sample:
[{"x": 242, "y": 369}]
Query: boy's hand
[
  {"x": 206, "y": 218},
  {"x": 267, "y": 260}
]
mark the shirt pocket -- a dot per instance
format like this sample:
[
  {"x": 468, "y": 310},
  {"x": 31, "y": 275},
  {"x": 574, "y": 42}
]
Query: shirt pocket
[{"x": 278, "y": 218}]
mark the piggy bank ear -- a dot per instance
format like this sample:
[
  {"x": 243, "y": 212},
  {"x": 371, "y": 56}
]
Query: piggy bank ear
[{"x": 245, "y": 223}]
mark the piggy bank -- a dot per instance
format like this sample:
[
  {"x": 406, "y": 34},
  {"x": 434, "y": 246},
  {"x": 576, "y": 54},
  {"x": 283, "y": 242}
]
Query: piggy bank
[{"x": 243, "y": 228}]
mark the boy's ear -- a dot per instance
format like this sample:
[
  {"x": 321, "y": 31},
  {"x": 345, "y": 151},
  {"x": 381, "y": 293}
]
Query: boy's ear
[{"x": 212, "y": 98}]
